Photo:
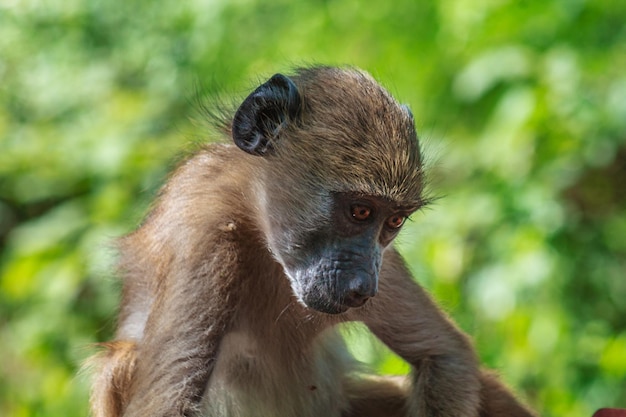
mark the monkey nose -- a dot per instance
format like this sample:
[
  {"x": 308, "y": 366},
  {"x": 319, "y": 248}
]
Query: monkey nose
[
  {"x": 355, "y": 299},
  {"x": 359, "y": 291}
]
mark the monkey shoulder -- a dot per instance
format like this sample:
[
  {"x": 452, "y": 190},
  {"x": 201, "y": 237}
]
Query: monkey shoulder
[
  {"x": 205, "y": 191},
  {"x": 216, "y": 168},
  {"x": 200, "y": 208}
]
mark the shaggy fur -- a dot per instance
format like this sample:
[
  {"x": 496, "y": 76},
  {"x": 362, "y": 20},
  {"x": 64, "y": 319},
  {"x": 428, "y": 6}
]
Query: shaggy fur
[{"x": 210, "y": 323}]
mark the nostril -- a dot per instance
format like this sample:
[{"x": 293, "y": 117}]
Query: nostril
[
  {"x": 356, "y": 299},
  {"x": 359, "y": 290}
]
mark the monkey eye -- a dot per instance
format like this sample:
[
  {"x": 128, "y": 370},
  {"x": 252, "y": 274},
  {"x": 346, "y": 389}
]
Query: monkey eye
[
  {"x": 395, "y": 222},
  {"x": 360, "y": 212}
]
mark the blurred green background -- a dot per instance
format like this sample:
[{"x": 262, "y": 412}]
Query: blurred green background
[{"x": 521, "y": 107}]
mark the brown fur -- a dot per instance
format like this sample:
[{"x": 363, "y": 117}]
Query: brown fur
[{"x": 209, "y": 324}]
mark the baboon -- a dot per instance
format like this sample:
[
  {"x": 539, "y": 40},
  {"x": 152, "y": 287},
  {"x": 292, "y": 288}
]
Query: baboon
[{"x": 254, "y": 252}]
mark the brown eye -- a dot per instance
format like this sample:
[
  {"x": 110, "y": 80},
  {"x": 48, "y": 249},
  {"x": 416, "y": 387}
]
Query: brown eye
[
  {"x": 395, "y": 222},
  {"x": 360, "y": 213}
]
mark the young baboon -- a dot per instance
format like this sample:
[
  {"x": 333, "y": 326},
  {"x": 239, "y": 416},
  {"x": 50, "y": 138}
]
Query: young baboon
[{"x": 253, "y": 253}]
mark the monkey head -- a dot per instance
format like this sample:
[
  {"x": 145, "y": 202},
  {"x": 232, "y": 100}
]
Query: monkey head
[{"x": 338, "y": 171}]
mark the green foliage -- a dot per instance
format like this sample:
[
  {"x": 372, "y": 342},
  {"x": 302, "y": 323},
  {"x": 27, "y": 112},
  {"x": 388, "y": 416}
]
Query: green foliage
[{"x": 521, "y": 107}]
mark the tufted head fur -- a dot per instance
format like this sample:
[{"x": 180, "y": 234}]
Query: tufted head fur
[
  {"x": 338, "y": 130},
  {"x": 353, "y": 137}
]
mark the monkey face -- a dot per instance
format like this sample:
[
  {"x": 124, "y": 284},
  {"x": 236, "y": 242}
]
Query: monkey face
[
  {"x": 314, "y": 155},
  {"x": 334, "y": 266}
]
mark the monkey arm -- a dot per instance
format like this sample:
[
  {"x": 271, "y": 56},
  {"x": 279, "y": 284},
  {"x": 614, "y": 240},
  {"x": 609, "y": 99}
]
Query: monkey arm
[
  {"x": 446, "y": 381},
  {"x": 446, "y": 376},
  {"x": 194, "y": 302}
]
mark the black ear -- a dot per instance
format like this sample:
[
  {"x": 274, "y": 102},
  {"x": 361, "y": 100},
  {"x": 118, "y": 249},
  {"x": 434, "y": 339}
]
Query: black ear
[{"x": 260, "y": 117}]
